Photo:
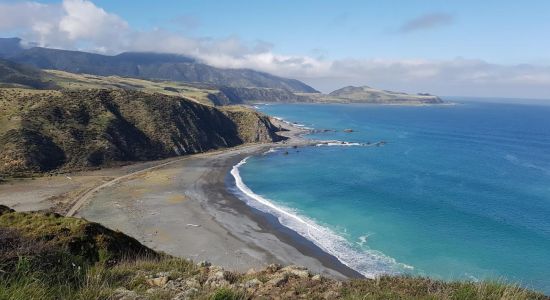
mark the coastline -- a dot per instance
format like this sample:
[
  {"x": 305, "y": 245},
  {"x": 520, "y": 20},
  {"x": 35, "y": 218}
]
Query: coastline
[{"x": 186, "y": 209}]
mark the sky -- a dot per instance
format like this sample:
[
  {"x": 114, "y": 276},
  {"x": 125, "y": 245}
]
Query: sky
[{"x": 468, "y": 48}]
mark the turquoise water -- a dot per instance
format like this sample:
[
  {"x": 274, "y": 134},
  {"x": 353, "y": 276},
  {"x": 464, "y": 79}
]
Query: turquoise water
[{"x": 458, "y": 192}]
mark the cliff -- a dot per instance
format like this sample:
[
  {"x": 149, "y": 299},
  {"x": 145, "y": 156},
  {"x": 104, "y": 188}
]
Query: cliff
[
  {"x": 47, "y": 256},
  {"x": 43, "y": 131},
  {"x": 251, "y": 95}
]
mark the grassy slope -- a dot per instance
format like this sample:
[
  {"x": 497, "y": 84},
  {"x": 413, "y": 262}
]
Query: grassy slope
[
  {"x": 200, "y": 93},
  {"x": 17, "y": 75},
  {"x": 367, "y": 94},
  {"x": 154, "y": 66},
  {"x": 46, "y": 256},
  {"x": 74, "y": 129}
]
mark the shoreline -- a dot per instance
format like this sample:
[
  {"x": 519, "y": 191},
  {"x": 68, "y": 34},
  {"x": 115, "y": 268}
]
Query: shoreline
[
  {"x": 183, "y": 206},
  {"x": 186, "y": 209}
]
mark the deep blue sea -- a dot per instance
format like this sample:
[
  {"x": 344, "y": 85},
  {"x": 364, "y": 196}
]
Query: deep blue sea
[{"x": 458, "y": 192}]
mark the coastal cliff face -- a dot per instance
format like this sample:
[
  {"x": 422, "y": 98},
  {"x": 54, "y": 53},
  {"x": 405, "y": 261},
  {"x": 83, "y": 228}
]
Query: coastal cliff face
[
  {"x": 252, "y": 127},
  {"x": 48, "y": 256},
  {"x": 74, "y": 129},
  {"x": 249, "y": 95}
]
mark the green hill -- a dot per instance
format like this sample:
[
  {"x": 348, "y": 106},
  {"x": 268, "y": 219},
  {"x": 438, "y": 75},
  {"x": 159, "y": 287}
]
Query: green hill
[
  {"x": 41, "y": 131},
  {"x": 365, "y": 94},
  {"x": 14, "y": 74}
]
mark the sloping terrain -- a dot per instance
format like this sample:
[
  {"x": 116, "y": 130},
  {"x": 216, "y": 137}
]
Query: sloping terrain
[
  {"x": 203, "y": 93},
  {"x": 47, "y": 256},
  {"x": 146, "y": 65},
  {"x": 365, "y": 94},
  {"x": 257, "y": 95},
  {"x": 43, "y": 131},
  {"x": 14, "y": 74}
]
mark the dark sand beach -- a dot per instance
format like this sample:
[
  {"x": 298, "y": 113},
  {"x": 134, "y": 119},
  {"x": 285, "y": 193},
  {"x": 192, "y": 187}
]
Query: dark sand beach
[{"x": 183, "y": 208}]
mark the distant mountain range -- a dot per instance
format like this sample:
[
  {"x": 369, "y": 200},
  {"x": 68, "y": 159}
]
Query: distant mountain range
[
  {"x": 172, "y": 74},
  {"x": 155, "y": 66}
]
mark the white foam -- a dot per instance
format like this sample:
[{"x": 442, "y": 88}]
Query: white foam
[
  {"x": 526, "y": 164},
  {"x": 292, "y": 123},
  {"x": 339, "y": 143},
  {"x": 271, "y": 150},
  {"x": 369, "y": 262}
]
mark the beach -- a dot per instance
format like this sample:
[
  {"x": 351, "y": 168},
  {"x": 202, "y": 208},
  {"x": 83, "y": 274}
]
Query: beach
[{"x": 182, "y": 206}]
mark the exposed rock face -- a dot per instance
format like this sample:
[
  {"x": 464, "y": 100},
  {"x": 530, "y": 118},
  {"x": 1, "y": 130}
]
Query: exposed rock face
[
  {"x": 49, "y": 130},
  {"x": 251, "y": 126},
  {"x": 244, "y": 95}
]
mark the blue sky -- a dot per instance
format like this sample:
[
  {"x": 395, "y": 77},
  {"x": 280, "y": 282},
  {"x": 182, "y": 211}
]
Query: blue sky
[
  {"x": 474, "y": 48},
  {"x": 497, "y": 31}
]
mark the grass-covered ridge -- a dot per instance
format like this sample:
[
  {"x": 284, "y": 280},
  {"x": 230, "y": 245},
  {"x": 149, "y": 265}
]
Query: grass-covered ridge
[
  {"x": 47, "y": 256},
  {"x": 45, "y": 130},
  {"x": 17, "y": 75}
]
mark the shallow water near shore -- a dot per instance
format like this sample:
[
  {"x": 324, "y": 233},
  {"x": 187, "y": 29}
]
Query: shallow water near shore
[{"x": 458, "y": 192}]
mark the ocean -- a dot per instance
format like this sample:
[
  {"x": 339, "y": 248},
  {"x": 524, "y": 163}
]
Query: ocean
[{"x": 457, "y": 192}]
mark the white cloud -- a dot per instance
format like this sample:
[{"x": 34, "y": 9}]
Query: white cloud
[
  {"x": 80, "y": 24},
  {"x": 84, "y": 20}
]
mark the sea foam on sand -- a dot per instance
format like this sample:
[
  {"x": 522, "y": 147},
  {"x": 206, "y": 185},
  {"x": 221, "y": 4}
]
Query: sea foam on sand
[{"x": 368, "y": 262}]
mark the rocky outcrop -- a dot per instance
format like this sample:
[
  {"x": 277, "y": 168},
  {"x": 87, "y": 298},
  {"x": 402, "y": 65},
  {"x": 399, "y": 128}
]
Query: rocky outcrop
[
  {"x": 89, "y": 128},
  {"x": 252, "y": 127}
]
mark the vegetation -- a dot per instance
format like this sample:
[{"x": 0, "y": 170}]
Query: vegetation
[
  {"x": 201, "y": 93},
  {"x": 47, "y": 256},
  {"x": 251, "y": 95},
  {"x": 48, "y": 130},
  {"x": 17, "y": 75},
  {"x": 151, "y": 66},
  {"x": 365, "y": 94}
]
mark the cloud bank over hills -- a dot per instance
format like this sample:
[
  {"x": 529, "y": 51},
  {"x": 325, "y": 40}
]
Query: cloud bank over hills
[{"x": 82, "y": 25}]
